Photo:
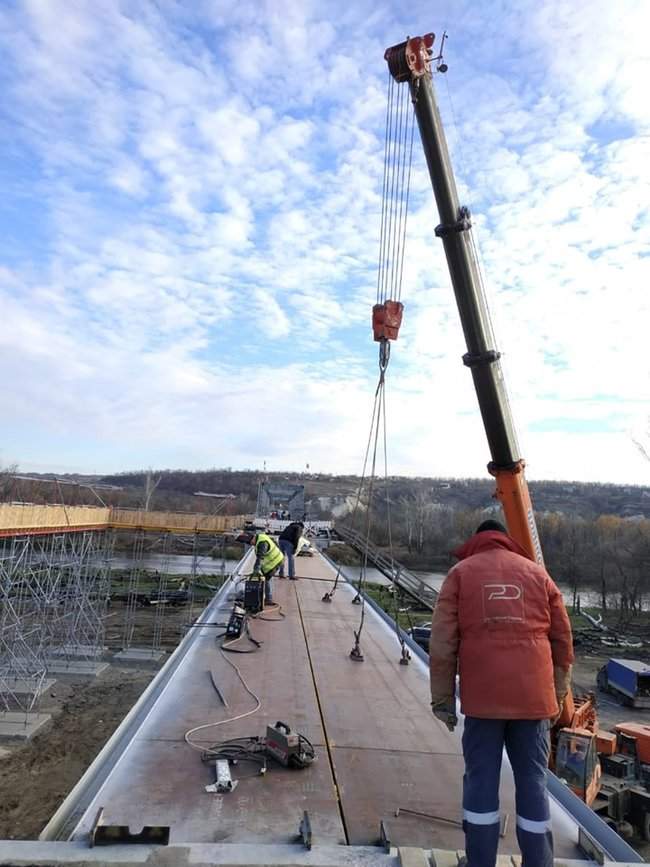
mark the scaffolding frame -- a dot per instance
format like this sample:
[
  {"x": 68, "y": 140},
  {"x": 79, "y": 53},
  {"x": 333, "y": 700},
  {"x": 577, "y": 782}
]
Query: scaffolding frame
[{"x": 54, "y": 595}]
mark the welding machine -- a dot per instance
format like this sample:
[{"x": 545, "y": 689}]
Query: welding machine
[
  {"x": 289, "y": 748},
  {"x": 254, "y": 595},
  {"x": 236, "y": 622}
]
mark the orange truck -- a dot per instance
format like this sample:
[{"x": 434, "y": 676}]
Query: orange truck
[{"x": 610, "y": 771}]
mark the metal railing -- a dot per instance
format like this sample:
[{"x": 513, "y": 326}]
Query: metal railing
[{"x": 391, "y": 568}]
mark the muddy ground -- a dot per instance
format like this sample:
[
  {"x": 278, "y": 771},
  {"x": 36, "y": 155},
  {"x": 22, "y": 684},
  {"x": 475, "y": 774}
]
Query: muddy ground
[{"x": 35, "y": 777}]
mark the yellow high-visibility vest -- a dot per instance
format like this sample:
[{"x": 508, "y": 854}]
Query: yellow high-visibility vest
[{"x": 273, "y": 556}]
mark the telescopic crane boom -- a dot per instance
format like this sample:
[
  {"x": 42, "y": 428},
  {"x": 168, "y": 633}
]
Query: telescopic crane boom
[{"x": 410, "y": 62}]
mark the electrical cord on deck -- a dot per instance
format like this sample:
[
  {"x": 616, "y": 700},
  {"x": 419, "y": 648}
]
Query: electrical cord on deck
[
  {"x": 275, "y": 606},
  {"x": 235, "y": 750},
  {"x": 258, "y": 705}
]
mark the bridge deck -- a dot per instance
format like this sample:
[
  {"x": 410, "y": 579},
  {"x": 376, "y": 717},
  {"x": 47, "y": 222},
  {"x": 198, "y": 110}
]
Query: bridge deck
[{"x": 378, "y": 746}]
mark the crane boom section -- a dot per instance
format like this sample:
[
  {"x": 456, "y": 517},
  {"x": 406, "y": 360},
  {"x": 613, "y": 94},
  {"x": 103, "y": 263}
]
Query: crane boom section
[{"x": 410, "y": 62}]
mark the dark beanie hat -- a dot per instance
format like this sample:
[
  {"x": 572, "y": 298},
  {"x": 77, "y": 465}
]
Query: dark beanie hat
[{"x": 491, "y": 525}]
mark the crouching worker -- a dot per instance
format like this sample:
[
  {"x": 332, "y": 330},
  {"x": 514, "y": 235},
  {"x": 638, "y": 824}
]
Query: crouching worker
[
  {"x": 268, "y": 559},
  {"x": 500, "y": 621}
]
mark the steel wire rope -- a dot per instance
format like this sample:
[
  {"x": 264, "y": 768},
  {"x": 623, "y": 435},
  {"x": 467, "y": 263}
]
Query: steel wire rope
[
  {"x": 384, "y": 187},
  {"x": 393, "y": 198},
  {"x": 328, "y": 596},
  {"x": 387, "y": 203},
  {"x": 384, "y": 357},
  {"x": 405, "y": 655},
  {"x": 65, "y": 511},
  {"x": 406, "y": 208},
  {"x": 401, "y": 168}
]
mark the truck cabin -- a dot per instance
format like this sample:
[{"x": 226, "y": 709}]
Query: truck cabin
[{"x": 576, "y": 763}]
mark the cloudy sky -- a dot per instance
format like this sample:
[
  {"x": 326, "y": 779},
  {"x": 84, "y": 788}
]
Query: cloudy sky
[{"x": 190, "y": 213}]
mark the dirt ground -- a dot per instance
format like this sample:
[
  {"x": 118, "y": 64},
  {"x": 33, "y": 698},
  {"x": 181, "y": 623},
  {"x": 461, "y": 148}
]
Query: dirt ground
[
  {"x": 35, "y": 777},
  {"x": 174, "y": 623},
  {"x": 610, "y": 711}
]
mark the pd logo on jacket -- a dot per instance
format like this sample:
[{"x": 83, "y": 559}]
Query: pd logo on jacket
[{"x": 503, "y": 602}]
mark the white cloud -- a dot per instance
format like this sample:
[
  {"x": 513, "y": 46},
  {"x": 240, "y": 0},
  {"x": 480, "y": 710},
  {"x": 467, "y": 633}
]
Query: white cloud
[{"x": 209, "y": 179}]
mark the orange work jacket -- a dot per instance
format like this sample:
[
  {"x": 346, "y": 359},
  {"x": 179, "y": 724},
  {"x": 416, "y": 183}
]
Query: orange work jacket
[{"x": 501, "y": 622}]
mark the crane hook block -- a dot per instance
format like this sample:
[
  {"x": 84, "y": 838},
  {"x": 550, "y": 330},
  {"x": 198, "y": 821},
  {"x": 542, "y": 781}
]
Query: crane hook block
[
  {"x": 411, "y": 59},
  {"x": 386, "y": 320}
]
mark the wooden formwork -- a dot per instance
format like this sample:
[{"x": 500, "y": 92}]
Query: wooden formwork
[
  {"x": 25, "y": 518},
  {"x": 173, "y": 522},
  {"x": 21, "y": 518}
]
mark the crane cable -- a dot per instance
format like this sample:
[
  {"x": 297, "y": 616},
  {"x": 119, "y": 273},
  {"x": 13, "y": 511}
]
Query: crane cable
[
  {"x": 378, "y": 425},
  {"x": 398, "y": 159},
  {"x": 328, "y": 596},
  {"x": 396, "y": 187}
]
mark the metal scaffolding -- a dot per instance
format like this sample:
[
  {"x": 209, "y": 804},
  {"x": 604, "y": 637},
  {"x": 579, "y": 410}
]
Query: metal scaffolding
[{"x": 54, "y": 593}]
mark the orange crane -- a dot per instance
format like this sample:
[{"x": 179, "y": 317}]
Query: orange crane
[
  {"x": 573, "y": 739},
  {"x": 411, "y": 62}
]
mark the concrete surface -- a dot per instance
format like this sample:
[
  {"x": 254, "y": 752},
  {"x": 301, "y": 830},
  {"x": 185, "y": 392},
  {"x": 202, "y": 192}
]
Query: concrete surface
[
  {"x": 24, "y": 685},
  {"x": 76, "y": 668},
  {"x": 139, "y": 656},
  {"x": 21, "y": 726}
]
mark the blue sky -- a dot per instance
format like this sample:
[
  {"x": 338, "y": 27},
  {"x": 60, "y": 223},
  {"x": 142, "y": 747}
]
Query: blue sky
[{"x": 190, "y": 219}]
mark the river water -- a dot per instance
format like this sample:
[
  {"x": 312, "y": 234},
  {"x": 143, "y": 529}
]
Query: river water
[
  {"x": 175, "y": 564},
  {"x": 181, "y": 564}
]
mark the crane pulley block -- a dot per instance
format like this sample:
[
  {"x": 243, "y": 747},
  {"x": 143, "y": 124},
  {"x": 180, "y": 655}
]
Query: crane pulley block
[{"x": 386, "y": 320}]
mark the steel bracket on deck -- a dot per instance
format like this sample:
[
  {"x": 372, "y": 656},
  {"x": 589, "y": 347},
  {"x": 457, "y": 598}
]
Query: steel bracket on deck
[
  {"x": 108, "y": 835},
  {"x": 590, "y": 847},
  {"x": 304, "y": 830}
]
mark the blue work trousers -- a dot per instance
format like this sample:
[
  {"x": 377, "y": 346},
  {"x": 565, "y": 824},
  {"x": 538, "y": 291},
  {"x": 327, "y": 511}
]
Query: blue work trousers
[
  {"x": 288, "y": 550},
  {"x": 268, "y": 592},
  {"x": 527, "y": 745}
]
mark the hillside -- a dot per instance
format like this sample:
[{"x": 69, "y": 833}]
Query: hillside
[{"x": 327, "y": 492}]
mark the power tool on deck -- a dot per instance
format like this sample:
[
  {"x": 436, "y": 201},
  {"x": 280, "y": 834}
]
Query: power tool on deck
[{"x": 289, "y": 748}]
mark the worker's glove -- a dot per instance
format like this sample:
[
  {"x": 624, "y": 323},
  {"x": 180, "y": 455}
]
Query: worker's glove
[
  {"x": 562, "y": 683},
  {"x": 445, "y": 711}
]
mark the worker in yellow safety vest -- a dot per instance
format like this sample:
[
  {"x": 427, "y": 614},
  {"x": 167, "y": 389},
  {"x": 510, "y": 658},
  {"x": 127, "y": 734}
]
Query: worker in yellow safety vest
[{"x": 268, "y": 559}]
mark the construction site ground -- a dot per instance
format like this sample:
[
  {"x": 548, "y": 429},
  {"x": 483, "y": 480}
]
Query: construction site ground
[{"x": 36, "y": 776}]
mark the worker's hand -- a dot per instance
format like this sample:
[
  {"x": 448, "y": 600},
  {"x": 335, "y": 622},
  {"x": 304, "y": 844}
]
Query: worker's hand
[
  {"x": 445, "y": 711},
  {"x": 560, "y": 703}
]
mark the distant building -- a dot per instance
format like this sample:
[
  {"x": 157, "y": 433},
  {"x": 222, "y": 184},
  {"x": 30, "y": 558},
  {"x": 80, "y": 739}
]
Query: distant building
[{"x": 281, "y": 497}]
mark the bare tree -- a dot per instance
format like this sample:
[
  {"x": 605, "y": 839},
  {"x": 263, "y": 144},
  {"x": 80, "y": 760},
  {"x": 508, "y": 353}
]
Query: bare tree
[
  {"x": 7, "y": 481},
  {"x": 642, "y": 441},
  {"x": 150, "y": 485}
]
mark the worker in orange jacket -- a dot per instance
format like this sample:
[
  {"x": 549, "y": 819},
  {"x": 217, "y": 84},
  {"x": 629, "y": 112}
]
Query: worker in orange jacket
[{"x": 501, "y": 623}]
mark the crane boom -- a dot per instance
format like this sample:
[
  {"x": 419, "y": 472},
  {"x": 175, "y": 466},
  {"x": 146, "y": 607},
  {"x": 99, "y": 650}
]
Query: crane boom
[{"x": 410, "y": 61}]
